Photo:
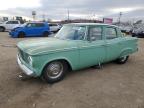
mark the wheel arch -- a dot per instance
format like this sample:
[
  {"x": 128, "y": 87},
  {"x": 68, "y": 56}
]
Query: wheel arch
[
  {"x": 126, "y": 52},
  {"x": 22, "y": 32},
  {"x": 3, "y": 27},
  {"x": 45, "y": 31},
  {"x": 69, "y": 64}
]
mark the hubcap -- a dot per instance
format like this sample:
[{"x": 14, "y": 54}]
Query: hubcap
[
  {"x": 123, "y": 58},
  {"x": 54, "y": 70}
]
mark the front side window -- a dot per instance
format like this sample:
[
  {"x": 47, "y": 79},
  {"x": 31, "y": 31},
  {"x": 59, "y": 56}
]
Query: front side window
[
  {"x": 72, "y": 32},
  {"x": 39, "y": 25},
  {"x": 12, "y": 22},
  {"x": 110, "y": 33},
  {"x": 95, "y": 33}
]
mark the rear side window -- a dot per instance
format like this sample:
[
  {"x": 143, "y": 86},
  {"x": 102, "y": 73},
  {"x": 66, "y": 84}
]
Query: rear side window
[
  {"x": 95, "y": 33},
  {"x": 39, "y": 25},
  {"x": 110, "y": 33},
  {"x": 12, "y": 22}
]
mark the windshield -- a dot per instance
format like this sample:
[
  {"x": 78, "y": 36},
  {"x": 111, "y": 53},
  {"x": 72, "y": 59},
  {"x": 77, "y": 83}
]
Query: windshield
[{"x": 71, "y": 32}]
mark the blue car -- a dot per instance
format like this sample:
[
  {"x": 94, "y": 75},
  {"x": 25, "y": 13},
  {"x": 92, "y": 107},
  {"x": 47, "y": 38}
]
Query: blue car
[{"x": 30, "y": 30}]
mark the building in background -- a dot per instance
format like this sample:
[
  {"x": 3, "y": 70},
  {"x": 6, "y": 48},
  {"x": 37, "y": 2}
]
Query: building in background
[{"x": 108, "y": 20}]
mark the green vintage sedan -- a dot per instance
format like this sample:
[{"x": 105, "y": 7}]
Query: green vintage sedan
[{"x": 74, "y": 47}]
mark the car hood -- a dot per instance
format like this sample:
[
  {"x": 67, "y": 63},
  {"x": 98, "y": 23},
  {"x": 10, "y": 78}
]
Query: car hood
[
  {"x": 46, "y": 45},
  {"x": 17, "y": 28}
]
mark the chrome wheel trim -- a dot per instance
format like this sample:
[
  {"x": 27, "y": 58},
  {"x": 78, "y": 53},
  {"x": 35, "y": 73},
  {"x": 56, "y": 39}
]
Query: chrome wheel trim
[
  {"x": 123, "y": 58},
  {"x": 54, "y": 70}
]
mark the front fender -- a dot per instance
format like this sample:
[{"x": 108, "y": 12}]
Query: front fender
[
  {"x": 41, "y": 61},
  {"x": 60, "y": 58}
]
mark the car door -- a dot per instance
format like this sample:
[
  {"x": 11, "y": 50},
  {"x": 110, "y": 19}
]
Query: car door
[
  {"x": 92, "y": 51},
  {"x": 8, "y": 25},
  {"x": 40, "y": 28},
  {"x": 11, "y": 24},
  {"x": 14, "y": 24},
  {"x": 31, "y": 29},
  {"x": 113, "y": 43}
]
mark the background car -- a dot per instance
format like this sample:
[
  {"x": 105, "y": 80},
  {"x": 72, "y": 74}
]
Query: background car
[
  {"x": 31, "y": 29},
  {"x": 138, "y": 32},
  {"x": 54, "y": 27},
  {"x": 9, "y": 25}
]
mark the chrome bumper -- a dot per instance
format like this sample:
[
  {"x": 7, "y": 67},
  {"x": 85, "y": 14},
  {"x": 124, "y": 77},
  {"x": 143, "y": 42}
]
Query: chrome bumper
[{"x": 26, "y": 70}]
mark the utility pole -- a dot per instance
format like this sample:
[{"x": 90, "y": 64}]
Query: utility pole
[
  {"x": 68, "y": 14},
  {"x": 119, "y": 19},
  {"x": 43, "y": 17},
  {"x": 34, "y": 15}
]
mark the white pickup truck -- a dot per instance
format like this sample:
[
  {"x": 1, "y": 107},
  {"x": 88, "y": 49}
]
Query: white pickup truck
[{"x": 9, "y": 25}]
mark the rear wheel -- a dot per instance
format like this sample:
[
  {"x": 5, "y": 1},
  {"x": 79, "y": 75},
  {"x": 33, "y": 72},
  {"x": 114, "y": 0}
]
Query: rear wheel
[
  {"x": 2, "y": 29},
  {"x": 21, "y": 35},
  {"x": 55, "y": 71},
  {"x": 122, "y": 60},
  {"x": 133, "y": 35},
  {"x": 45, "y": 34}
]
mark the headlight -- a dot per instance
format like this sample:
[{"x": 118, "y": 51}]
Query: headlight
[{"x": 30, "y": 60}]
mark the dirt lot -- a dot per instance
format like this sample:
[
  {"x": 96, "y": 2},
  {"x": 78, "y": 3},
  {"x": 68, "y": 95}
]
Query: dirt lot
[{"x": 113, "y": 86}]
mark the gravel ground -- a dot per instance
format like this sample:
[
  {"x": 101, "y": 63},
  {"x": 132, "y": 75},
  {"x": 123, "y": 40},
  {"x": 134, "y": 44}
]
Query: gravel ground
[{"x": 113, "y": 86}]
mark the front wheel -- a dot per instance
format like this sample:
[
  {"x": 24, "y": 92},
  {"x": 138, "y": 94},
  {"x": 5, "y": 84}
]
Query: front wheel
[
  {"x": 21, "y": 35},
  {"x": 55, "y": 71},
  {"x": 122, "y": 60}
]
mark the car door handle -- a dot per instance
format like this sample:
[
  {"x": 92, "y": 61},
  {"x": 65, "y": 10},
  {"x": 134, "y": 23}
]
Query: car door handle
[{"x": 103, "y": 45}]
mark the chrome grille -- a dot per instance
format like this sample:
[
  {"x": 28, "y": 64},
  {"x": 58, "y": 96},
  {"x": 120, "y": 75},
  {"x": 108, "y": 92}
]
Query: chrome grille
[{"x": 23, "y": 55}]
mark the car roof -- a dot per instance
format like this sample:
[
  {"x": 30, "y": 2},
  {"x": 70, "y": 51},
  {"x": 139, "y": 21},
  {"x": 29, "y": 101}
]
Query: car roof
[
  {"x": 90, "y": 24},
  {"x": 12, "y": 20},
  {"x": 35, "y": 22}
]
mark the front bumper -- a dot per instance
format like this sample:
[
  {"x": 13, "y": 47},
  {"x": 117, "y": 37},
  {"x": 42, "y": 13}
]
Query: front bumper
[
  {"x": 13, "y": 34},
  {"x": 26, "y": 70}
]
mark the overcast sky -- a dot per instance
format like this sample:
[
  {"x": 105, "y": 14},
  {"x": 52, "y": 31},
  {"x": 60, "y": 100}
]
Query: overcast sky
[{"x": 57, "y": 9}]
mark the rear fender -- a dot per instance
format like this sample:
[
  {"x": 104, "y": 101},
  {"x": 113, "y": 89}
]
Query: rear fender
[{"x": 126, "y": 52}]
